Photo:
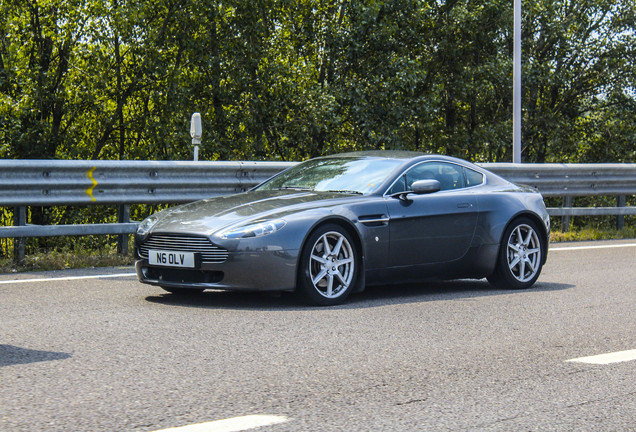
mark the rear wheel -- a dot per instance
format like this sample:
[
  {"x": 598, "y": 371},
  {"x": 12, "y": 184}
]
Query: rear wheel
[
  {"x": 329, "y": 266},
  {"x": 520, "y": 256}
]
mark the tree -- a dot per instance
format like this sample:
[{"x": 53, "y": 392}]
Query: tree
[
  {"x": 278, "y": 79},
  {"x": 579, "y": 58},
  {"x": 38, "y": 43}
]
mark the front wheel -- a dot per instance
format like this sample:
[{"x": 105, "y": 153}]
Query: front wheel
[
  {"x": 329, "y": 266},
  {"x": 521, "y": 256}
]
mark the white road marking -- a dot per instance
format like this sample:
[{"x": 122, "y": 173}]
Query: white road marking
[
  {"x": 235, "y": 424},
  {"x": 105, "y": 276},
  {"x": 569, "y": 248},
  {"x": 603, "y": 359},
  {"x": 67, "y": 278}
]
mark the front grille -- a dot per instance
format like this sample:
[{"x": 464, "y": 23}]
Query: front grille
[
  {"x": 182, "y": 276},
  {"x": 210, "y": 253}
]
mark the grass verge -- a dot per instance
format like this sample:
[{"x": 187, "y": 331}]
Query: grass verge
[
  {"x": 588, "y": 233},
  {"x": 56, "y": 260}
]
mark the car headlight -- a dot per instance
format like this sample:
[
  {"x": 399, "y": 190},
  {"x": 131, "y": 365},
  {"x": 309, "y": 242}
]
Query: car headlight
[
  {"x": 256, "y": 229},
  {"x": 145, "y": 225}
]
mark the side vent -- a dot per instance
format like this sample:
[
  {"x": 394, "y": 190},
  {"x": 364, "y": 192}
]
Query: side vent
[{"x": 376, "y": 220}]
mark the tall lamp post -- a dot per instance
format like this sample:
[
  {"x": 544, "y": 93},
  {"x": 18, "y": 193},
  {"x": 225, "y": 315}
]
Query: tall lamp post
[{"x": 516, "y": 92}]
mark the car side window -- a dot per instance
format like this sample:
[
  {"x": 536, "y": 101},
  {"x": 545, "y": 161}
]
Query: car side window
[
  {"x": 449, "y": 176},
  {"x": 398, "y": 186},
  {"x": 473, "y": 178}
]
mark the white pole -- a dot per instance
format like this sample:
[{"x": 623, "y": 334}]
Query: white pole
[
  {"x": 516, "y": 92},
  {"x": 196, "y": 130}
]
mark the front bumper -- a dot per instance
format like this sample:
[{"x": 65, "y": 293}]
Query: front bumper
[{"x": 264, "y": 270}]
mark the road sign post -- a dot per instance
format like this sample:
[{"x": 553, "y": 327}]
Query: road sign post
[{"x": 196, "y": 131}]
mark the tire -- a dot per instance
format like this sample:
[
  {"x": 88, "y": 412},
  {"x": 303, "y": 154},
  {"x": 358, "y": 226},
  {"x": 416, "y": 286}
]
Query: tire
[
  {"x": 520, "y": 257},
  {"x": 329, "y": 266}
]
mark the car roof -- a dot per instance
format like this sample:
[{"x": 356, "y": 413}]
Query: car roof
[
  {"x": 410, "y": 158},
  {"x": 404, "y": 155},
  {"x": 386, "y": 154}
]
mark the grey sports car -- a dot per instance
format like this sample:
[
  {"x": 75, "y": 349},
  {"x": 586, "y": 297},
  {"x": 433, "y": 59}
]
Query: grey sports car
[{"x": 330, "y": 226}]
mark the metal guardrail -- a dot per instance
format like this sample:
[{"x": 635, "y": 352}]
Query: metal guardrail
[
  {"x": 63, "y": 182},
  {"x": 571, "y": 179},
  {"x": 66, "y": 182}
]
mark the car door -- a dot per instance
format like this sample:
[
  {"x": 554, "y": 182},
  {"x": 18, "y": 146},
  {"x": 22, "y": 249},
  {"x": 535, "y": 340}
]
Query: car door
[{"x": 431, "y": 228}]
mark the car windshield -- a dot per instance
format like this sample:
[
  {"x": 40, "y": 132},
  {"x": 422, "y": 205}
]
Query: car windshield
[{"x": 345, "y": 175}]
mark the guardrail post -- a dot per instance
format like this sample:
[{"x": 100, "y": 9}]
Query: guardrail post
[
  {"x": 19, "y": 243},
  {"x": 123, "y": 216},
  {"x": 566, "y": 220},
  {"x": 621, "y": 201}
]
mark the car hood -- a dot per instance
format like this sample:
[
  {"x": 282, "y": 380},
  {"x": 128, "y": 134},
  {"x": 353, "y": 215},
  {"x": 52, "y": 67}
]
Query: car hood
[{"x": 212, "y": 214}]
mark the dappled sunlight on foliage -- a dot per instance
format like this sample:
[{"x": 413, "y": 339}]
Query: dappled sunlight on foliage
[
  {"x": 281, "y": 80},
  {"x": 67, "y": 258},
  {"x": 591, "y": 233}
]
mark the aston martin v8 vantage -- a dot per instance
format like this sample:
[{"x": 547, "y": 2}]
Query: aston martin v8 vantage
[{"x": 330, "y": 226}]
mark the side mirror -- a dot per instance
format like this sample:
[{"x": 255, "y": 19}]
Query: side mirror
[{"x": 422, "y": 187}]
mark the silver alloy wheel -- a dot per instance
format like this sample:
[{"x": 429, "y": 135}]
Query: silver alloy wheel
[
  {"x": 524, "y": 253},
  {"x": 331, "y": 264}
]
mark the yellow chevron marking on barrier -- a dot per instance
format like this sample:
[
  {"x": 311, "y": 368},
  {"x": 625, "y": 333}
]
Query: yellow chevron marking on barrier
[{"x": 89, "y": 191}]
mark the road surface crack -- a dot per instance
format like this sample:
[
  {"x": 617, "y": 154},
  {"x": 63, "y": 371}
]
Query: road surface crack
[{"x": 411, "y": 402}]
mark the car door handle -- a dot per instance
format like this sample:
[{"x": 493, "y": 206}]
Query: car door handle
[{"x": 464, "y": 205}]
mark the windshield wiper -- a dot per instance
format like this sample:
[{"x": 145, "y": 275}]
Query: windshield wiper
[
  {"x": 346, "y": 191},
  {"x": 301, "y": 188}
]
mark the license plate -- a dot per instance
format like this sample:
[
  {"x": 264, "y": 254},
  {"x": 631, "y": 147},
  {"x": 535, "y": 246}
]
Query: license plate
[{"x": 171, "y": 258}]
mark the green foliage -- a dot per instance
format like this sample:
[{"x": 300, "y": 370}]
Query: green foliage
[
  {"x": 593, "y": 233},
  {"x": 68, "y": 258},
  {"x": 579, "y": 81},
  {"x": 278, "y": 79}
]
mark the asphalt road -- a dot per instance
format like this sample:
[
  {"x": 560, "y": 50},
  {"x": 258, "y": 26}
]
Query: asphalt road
[{"x": 110, "y": 354}]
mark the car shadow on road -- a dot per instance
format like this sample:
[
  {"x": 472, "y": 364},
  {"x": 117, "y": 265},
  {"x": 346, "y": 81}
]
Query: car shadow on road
[
  {"x": 375, "y": 296},
  {"x": 443, "y": 291},
  {"x": 12, "y": 355}
]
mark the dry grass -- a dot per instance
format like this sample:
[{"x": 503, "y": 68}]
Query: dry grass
[
  {"x": 593, "y": 234},
  {"x": 66, "y": 259}
]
